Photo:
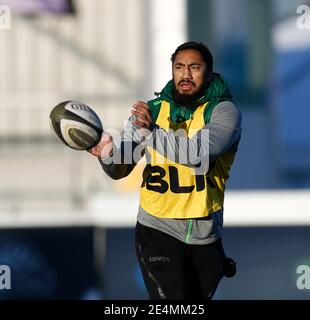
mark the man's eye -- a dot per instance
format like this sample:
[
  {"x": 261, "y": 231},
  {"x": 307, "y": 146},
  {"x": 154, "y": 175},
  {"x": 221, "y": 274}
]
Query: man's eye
[{"x": 195, "y": 67}]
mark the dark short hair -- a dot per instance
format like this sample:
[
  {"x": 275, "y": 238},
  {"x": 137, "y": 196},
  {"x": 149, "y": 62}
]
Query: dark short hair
[{"x": 203, "y": 49}]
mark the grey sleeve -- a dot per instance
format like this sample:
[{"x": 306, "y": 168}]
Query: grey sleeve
[
  {"x": 218, "y": 136},
  {"x": 126, "y": 155}
]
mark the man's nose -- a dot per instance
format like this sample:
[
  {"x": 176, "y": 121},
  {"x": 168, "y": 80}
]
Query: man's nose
[{"x": 187, "y": 73}]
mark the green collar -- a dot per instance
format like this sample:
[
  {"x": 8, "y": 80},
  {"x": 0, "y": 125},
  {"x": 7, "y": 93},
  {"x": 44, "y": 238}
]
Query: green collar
[{"x": 217, "y": 91}]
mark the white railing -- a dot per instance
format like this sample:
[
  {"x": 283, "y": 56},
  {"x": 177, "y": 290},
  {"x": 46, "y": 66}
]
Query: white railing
[{"x": 109, "y": 210}]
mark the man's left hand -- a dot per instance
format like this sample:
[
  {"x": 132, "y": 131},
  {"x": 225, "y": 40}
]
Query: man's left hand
[{"x": 141, "y": 110}]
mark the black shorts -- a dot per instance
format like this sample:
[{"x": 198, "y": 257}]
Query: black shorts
[{"x": 172, "y": 269}]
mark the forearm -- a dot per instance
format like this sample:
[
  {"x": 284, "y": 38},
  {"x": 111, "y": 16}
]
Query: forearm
[
  {"x": 116, "y": 171},
  {"x": 123, "y": 160},
  {"x": 206, "y": 145}
]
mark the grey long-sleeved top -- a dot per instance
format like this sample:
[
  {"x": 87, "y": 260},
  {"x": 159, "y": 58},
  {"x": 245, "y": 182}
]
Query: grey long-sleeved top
[{"x": 223, "y": 134}]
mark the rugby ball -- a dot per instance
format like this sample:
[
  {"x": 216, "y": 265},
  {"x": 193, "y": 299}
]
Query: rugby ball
[{"x": 76, "y": 125}]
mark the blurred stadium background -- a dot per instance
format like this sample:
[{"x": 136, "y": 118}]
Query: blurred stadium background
[{"x": 66, "y": 229}]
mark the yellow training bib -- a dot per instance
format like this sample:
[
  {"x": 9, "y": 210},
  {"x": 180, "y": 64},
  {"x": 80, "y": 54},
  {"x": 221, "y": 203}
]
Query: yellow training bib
[{"x": 172, "y": 190}]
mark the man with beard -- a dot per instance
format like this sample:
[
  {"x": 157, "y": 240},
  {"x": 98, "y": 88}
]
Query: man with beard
[{"x": 190, "y": 134}]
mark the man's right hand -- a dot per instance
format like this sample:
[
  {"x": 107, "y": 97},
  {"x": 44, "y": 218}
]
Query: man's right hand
[{"x": 104, "y": 148}]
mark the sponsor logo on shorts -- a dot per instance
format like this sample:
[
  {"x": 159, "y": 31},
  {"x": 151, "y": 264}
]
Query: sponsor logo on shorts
[{"x": 159, "y": 259}]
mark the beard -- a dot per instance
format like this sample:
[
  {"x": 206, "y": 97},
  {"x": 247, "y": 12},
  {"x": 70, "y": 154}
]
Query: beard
[{"x": 189, "y": 100}]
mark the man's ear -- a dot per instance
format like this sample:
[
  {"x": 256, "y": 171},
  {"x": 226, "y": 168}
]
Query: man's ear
[{"x": 209, "y": 76}]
